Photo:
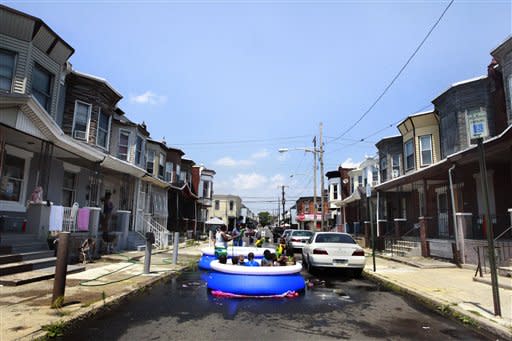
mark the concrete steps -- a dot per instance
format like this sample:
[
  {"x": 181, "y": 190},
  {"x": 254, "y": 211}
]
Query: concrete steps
[
  {"x": 20, "y": 257},
  {"x": 28, "y": 265},
  {"x": 36, "y": 275},
  {"x": 135, "y": 241},
  {"x": 404, "y": 248}
]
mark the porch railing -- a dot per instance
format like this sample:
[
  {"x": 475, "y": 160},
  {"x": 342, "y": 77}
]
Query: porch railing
[
  {"x": 161, "y": 234},
  {"x": 502, "y": 252}
]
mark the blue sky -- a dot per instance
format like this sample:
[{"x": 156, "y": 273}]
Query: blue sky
[{"x": 204, "y": 73}]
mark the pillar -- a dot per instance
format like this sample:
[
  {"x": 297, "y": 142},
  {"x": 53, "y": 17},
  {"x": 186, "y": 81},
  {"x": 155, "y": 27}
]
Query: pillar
[
  {"x": 123, "y": 222},
  {"x": 399, "y": 226},
  {"x": 424, "y": 222},
  {"x": 94, "y": 223},
  {"x": 464, "y": 221}
]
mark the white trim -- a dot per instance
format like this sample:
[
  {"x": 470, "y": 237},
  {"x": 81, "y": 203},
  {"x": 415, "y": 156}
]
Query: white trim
[
  {"x": 18, "y": 206},
  {"x": 107, "y": 140},
  {"x": 422, "y": 164},
  {"x": 88, "y": 120},
  {"x": 68, "y": 167}
]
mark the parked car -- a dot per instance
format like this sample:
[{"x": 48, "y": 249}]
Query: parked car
[
  {"x": 333, "y": 250},
  {"x": 297, "y": 239},
  {"x": 286, "y": 233}
]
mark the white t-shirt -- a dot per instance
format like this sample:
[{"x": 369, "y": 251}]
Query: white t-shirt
[{"x": 219, "y": 241}]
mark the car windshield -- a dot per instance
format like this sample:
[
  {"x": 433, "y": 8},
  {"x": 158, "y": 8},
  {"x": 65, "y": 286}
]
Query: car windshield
[
  {"x": 334, "y": 238},
  {"x": 302, "y": 233}
]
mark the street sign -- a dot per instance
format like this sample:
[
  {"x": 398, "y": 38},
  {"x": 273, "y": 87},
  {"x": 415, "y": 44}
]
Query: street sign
[
  {"x": 477, "y": 124},
  {"x": 368, "y": 190}
]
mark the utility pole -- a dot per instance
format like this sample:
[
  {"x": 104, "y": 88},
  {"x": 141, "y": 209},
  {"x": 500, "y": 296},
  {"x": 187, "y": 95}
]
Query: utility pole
[
  {"x": 278, "y": 212},
  {"x": 283, "y": 201},
  {"x": 314, "y": 182},
  {"x": 322, "y": 177}
]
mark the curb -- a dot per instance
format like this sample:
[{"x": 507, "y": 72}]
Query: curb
[
  {"x": 103, "y": 306},
  {"x": 479, "y": 324}
]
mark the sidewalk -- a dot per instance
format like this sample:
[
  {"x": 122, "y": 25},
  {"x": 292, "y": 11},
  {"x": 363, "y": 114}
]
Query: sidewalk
[
  {"x": 448, "y": 289},
  {"x": 25, "y": 309}
]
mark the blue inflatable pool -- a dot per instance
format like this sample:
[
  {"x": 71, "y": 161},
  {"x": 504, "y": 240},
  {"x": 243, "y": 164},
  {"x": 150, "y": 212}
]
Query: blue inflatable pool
[
  {"x": 209, "y": 254},
  {"x": 255, "y": 281}
]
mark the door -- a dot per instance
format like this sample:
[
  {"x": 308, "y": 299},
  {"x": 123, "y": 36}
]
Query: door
[{"x": 442, "y": 213}]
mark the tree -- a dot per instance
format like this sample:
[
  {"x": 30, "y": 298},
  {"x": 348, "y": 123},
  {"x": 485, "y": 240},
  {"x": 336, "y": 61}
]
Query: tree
[{"x": 265, "y": 218}]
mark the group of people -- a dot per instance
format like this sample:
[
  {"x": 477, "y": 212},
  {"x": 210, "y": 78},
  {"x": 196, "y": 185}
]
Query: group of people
[{"x": 240, "y": 260}]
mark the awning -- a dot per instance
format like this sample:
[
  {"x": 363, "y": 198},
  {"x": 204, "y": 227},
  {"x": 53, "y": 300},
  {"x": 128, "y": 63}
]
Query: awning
[
  {"x": 215, "y": 221},
  {"x": 121, "y": 166},
  {"x": 351, "y": 198}
]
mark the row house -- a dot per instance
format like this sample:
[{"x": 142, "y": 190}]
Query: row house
[
  {"x": 354, "y": 206},
  {"x": 437, "y": 194},
  {"x": 64, "y": 142},
  {"x": 202, "y": 182},
  {"x": 339, "y": 189},
  {"x": 306, "y": 212},
  {"x": 226, "y": 207}
]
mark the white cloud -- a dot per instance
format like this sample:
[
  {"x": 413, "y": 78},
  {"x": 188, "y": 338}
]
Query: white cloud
[
  {"x": 260, "y": 155},
  {"x": 249, "y": 181},
  {"x": 349, "y": 163},
  {"x": 276, "y": 180},
  {"x": 230, "y": 162},
  {"x": 148, "y": 97}
]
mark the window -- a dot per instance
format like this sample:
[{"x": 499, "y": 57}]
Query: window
[
  {"x": 150, "y": 161},
  {"x": 404, "y": 208},
  {"x": 42, "y": 86},
  {"x": 352, "y": 185},
  {"x": 139, "y": 145},
  {"x": 334, "y": 238},
  {"x": 231, "y": 205},
  {"x": 375, "y": 175},
  {"x": 306, "y": 206},
  {"x": 103, "y": 130},
  {"x": 14, "y": 178},
  {"x": 161, "y": 165},
  {"x": 409, "y": 154},
  {"x": 395, "y": 160},
  {"x": 11, "y": 186},
  {"x": 81, "y": 120},
  {"x": 426, "y": 149},
  {"x": 168, "y": 172},
  {"x": 68, "y": 189},
  {"x": 217, "y": 205},
  {"x": 335, "y": 191},
  {"x": 206, "y": 188},
  {"x": 359, "y": 180},
  {"x": 384, "y": 168},
  {"x": 123, "y": 145},
  {"x": 6, "y": 70}
]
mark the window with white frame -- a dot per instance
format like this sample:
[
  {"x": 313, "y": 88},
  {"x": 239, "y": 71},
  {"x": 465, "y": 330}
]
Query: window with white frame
[
  {"x": 139, "y": 152},
  {"x": 384, "y": 168},
  {"x": 69, "y": 189},
  {"x": 81, "y": 119},
  {"x": 161, "y": 165},
  {"x": 14, "y": 178},
  {"x": 395, "y": 164},
  {"x": 375, "y": 175},
  {"x": 335, "y": 191},
  {"x": 7, "y": 62},
  {"x": 217, "y": 205},
  {"x": 123, "y": 144},
  {"x": 42, "y": 86},
  {"x": 426, "y": 149},
  {"x": 150, "y": 161},
  {"x": 352, "y": 184},
  {"x": 168, "y": 171},
  {"x": 409, "y": 154},
  {"x": 206, "y": 189},
  {"x": 103, "y": 133}
]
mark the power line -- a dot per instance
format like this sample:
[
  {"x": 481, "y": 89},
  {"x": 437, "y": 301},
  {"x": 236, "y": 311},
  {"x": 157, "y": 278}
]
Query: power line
[
  {"x": 396, "y": 76},
  {"x": 241, "y": 141}
]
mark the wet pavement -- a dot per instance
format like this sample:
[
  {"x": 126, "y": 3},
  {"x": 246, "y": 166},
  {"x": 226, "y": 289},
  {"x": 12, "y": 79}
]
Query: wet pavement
[{"x": 334, "y": 306}]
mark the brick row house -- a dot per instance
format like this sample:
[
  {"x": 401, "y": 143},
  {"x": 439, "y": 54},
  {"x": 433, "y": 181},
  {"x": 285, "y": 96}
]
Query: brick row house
[
  {"x": 306, "y": 212},
  {"x": 64, "y": 143},
  {"x": 429, "y": 186}
]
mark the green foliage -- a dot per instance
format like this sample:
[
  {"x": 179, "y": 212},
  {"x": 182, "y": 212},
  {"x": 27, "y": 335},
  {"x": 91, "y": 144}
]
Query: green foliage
[
  {"x": 54, "y": 330},
  {"x": 103, "y": 297},
  {"x": 265, "y": 218},
  {"x": 59, "y": 301}
]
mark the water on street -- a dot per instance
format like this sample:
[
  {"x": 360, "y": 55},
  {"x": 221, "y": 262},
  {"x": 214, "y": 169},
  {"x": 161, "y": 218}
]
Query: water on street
[{"x": 334, "y": 306}]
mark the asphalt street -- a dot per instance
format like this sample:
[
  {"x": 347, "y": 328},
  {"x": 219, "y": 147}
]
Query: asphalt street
[{"x": 334, "y": 306}]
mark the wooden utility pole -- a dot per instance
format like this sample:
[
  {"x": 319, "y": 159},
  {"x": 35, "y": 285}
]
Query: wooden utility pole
[
  {"x": 321, "y": 151},
  {"x": 314, "y": 182}
]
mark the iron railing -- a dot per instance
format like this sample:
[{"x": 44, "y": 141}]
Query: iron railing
[{"x": 502, "y": 253}]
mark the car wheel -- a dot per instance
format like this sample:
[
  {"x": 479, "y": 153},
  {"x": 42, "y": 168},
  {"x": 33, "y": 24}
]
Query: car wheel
[
  {"x": 357, "y": 273},
  {"x": 310, "y": 267}
]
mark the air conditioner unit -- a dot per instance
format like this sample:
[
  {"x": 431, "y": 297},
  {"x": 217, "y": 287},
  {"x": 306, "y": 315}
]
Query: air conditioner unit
[{"x": 80, "y": 135}]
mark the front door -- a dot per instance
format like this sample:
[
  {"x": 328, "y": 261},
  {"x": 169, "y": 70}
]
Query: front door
[{"x": 442, "y": 213}]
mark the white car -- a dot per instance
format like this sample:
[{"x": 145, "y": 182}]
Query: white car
[{"x": 333, "y": 250}]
